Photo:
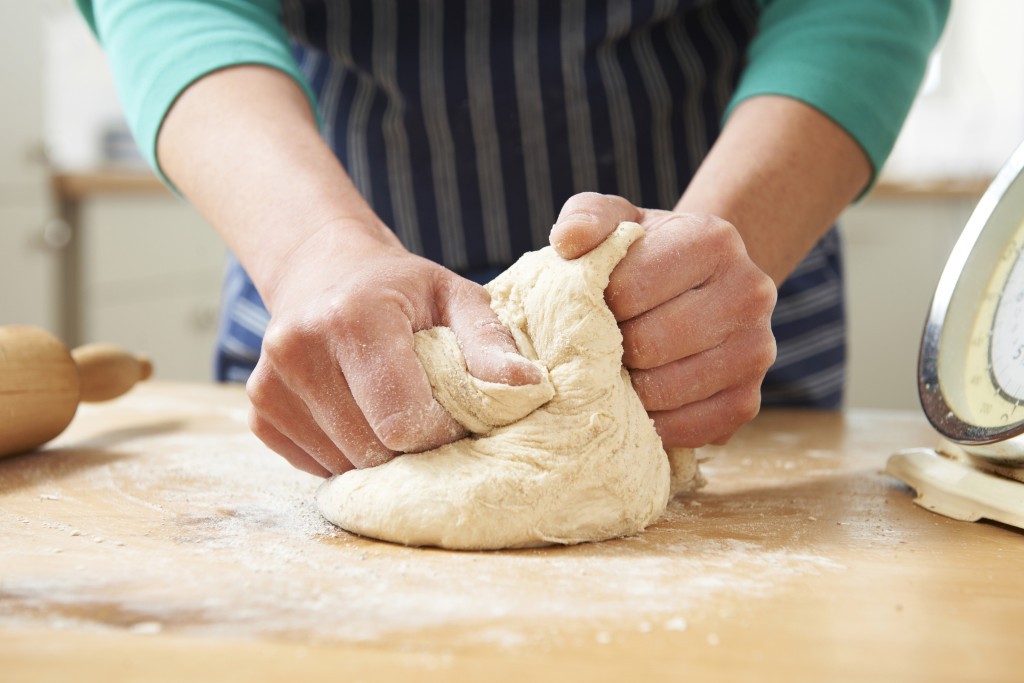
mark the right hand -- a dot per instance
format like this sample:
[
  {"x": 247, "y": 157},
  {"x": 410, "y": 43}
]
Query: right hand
[
  {"x": 694, "y": 311},
  {"x": 338, "y": 384}
]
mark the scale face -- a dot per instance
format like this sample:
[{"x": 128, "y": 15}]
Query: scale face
[{"x": 971, "y": 367}]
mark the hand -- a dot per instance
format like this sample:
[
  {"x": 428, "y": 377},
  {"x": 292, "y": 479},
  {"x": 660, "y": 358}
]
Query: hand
[
  {"x": 694, "y": 310},
  {"x": 338, "y": 384}
]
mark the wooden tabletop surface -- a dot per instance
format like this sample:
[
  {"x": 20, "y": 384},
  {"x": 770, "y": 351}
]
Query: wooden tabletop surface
[{"x": 158, "y": 540}]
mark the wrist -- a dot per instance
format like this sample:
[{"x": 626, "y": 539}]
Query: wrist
[
  {"x": 339, "y": 245},
  {"x": 780, "y": 172}
]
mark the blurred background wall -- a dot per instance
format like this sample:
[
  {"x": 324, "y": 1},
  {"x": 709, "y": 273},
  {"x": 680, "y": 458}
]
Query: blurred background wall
[{"x": 95, "y": 250}]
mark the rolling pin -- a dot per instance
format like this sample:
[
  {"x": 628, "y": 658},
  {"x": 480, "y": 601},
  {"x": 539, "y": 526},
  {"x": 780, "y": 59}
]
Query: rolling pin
[{"x": 41, "y": 383}]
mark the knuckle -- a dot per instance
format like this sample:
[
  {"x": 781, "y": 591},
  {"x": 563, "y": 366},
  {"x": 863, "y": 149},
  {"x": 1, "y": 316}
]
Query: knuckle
[
  {"x": 491, "y": 329},
  {"x": 580, "y": 206},
  {"x": 616, "y": 202},
  {"x": 640, "y": 348},
  {"x": 724, "y": 439},
  {"x": 654, "y": 393},
  {"x": 285, "y": 342},
  {"x": 592, "y": 205},
  {"x": 721, "y": 234},
  {"x": 746, "y": 405},
  {"x": 765, "y": 291},
  {"x": 400, "y": 432},
  {"x": 760, "y": 295},
  {"x": 260, "y": 426},
  {"x": 347, "y": 325},
  {"x": 751, "y": 355},
  {"x": 766, "y": 354},
  {"x": 586, "y": 198},
  {"x": 350, "y": 310},
  {"x": 417, "y": 429},
  {"x": 259, "y": 389}
]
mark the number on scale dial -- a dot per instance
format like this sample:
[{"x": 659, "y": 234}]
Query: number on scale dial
[
  {"x": 1006, "y": 347},
  {"x": 995, "y": 354}
]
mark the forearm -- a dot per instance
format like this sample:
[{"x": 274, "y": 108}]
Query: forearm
[
  {"x": 241, "y": 145},
  {"x": 781, "y": 172}
]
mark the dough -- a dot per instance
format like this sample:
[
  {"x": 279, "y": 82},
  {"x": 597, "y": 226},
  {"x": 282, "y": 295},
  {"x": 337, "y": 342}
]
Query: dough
[{"x": 573, "y": 459}]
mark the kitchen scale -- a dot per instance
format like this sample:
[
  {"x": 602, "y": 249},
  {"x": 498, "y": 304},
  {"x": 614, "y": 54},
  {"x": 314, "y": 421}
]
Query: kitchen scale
[{"x": 971, "y": 367}]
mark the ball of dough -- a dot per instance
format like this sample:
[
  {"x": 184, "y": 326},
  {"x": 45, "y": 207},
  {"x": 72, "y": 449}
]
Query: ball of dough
[{"x": 573, "y": 459}]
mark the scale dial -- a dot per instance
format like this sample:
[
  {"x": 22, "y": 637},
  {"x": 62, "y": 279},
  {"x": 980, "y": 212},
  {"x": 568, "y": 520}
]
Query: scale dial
[
  {"x": 1006, "y": 346},
  {"x": 995, "y": 354},
  {"x": 971, "y": 367}
]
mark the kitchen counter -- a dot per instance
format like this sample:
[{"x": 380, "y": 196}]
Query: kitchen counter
[{"x": 158, "y": 540}]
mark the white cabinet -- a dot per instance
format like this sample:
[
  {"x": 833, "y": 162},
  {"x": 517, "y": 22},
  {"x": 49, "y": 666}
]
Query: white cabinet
[
  {"x": 895, "y": 249},
  {"x": 27, "y": 268},
  {"x": 150, "y": 276},
  {"x": 28, "y": 290}
]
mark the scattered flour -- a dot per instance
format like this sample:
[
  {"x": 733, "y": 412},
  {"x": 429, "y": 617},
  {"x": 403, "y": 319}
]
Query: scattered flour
[{"x": 208, "y": 533}]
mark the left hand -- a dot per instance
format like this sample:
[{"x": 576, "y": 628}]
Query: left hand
[{"x": 694, "y": 310}]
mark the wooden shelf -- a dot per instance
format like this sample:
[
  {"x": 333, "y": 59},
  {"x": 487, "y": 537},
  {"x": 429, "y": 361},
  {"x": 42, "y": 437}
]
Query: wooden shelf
[
  {"x": 81, "y": 185},
  {"x": 967, "y": 188}
]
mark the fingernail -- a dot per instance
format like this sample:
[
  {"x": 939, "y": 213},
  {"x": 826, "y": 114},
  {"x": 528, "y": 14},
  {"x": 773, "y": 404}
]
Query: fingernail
[
  {"x": 583, "y": 218},
  {"x": 522, "y": 371}
]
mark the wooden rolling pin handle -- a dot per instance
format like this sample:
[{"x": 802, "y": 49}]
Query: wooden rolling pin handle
[{"x": 106, "y": 371}]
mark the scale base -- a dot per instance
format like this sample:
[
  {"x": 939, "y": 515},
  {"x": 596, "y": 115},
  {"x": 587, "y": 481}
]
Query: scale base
[{"x": 952, "y": 485}]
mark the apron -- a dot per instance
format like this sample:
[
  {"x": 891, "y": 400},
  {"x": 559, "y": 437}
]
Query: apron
[{"x": 466, "y": 125}]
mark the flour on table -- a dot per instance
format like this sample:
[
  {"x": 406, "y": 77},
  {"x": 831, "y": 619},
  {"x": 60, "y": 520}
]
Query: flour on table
[{"x": 572, "y": 459}]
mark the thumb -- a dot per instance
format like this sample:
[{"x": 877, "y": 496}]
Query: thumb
[
  {"x": 586, "y": 220},
  {"x": 490, "y": 350}
]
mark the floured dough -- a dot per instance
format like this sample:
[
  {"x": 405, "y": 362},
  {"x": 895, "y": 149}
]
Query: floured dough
[{"x": 572, "y": 459}]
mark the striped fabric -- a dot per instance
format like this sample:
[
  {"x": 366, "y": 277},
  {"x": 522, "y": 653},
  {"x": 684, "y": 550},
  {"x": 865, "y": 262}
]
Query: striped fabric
[{"x": 466, "y": 124}]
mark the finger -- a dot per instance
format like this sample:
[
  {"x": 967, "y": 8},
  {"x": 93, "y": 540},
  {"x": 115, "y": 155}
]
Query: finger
[
  {"x": 712, "y": 420},
  {"x": 321, "y": 415},
  {"x": 277, "y": 408},
  {"x": 685, "y": 326},
  {"x": 678, "y": 252},
  {"x": 744, "y": 358},
  {"x": 335, "y": 411},
  {"x": 285, "y": 447},
  {"x": 699, "y": 319},
  {"x": 586, "y": 219},
  {"x": 488, "y": 346},
  {"x": 388, "y": 384}
]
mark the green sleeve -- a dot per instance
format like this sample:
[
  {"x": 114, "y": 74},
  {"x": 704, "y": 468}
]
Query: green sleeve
[
  {"x": 157, "y": 49},
  {"x": 860, "y": 62}
]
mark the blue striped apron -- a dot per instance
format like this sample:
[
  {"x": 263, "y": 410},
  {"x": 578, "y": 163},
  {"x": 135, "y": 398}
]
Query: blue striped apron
[{"x": 466, "y": 124}]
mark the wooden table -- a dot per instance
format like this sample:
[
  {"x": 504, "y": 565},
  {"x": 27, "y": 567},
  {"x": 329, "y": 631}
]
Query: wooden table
[{"x": 158, "y": 540}]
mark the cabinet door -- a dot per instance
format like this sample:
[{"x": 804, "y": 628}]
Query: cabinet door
[
  {"x": 894, "y": 253},
  {"x": 27, "y": 267},
  {"x": 175, "y": 329},
  {"x": 28, "y": 291},
  {"x": 151, "y": 273}
]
